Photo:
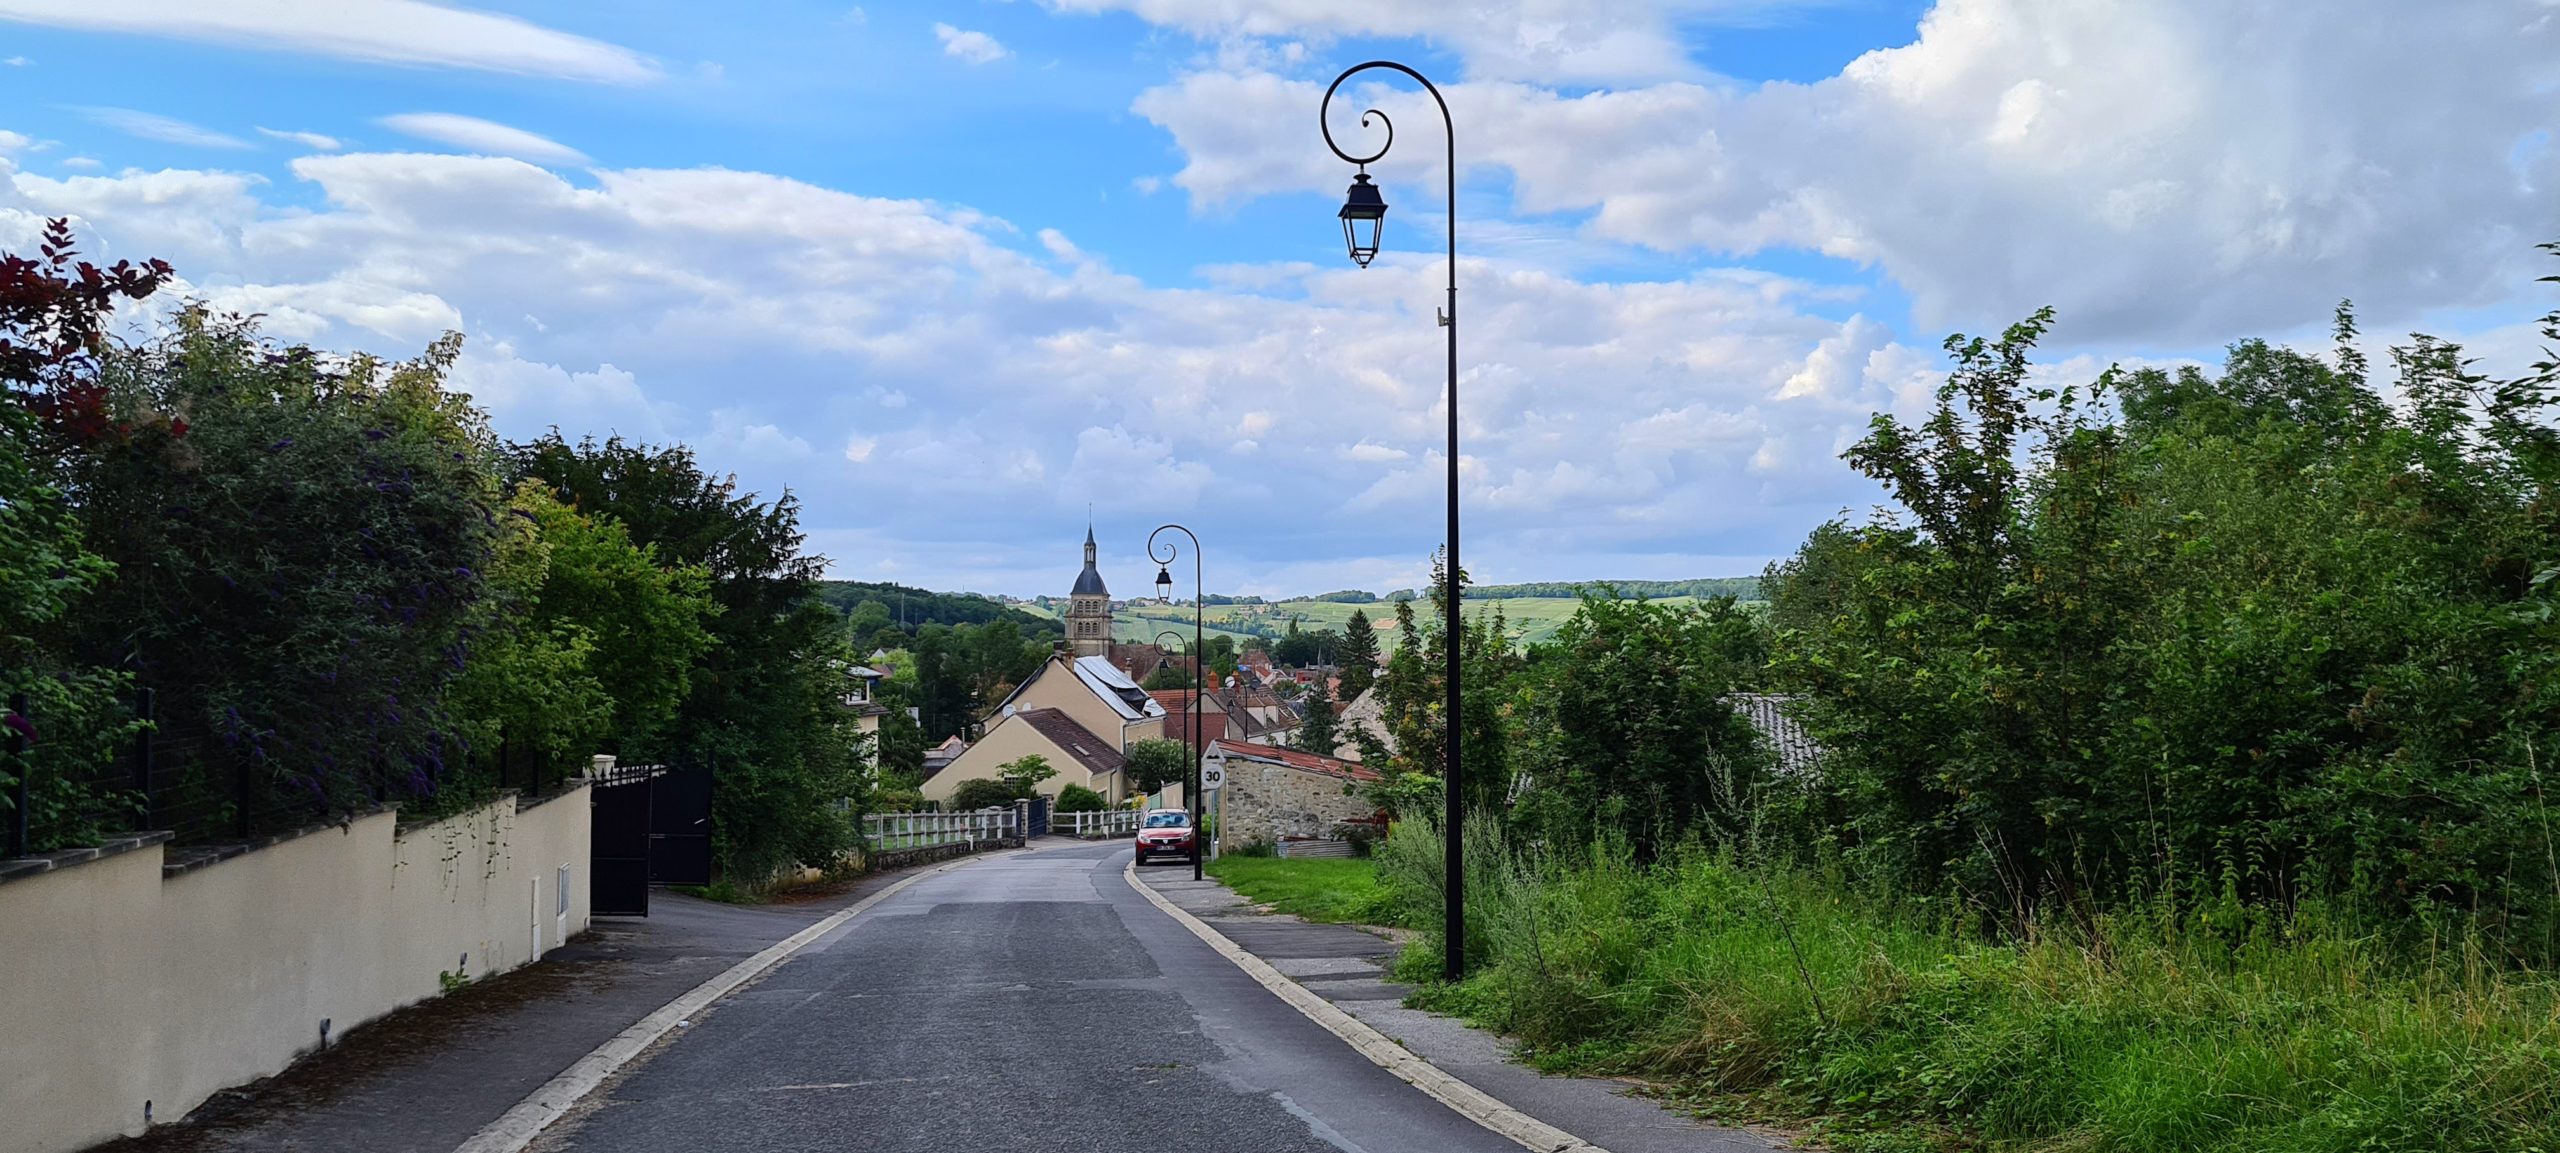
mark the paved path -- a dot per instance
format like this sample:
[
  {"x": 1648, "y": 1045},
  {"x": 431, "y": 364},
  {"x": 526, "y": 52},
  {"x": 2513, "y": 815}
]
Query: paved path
[{"x": 1030, "y": 1002}]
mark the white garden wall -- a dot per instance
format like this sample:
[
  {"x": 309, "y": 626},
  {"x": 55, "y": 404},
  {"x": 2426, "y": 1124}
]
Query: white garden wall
[{"x": 121, "y": 986}]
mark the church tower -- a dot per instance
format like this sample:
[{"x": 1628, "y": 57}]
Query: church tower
[{"x": 1089, "y": 607}]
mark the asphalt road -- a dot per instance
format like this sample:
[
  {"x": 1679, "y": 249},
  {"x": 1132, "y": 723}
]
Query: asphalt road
[{"x": 1031, "y": 1002}]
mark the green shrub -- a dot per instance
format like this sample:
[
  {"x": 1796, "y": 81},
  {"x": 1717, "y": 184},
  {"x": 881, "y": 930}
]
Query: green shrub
[
  {"x": 980, "y": 794},
  {"x": 1079, "y": 799}
]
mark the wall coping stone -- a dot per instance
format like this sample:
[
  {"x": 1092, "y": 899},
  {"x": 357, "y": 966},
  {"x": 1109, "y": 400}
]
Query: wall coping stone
[
  {"x": 194, "y": 857},
  {"x": 19, "y": 868}
]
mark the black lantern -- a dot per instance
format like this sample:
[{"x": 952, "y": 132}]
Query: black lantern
[
  {"x": 1363, "y": 204},
  {"x": 1164, "y": 586}
]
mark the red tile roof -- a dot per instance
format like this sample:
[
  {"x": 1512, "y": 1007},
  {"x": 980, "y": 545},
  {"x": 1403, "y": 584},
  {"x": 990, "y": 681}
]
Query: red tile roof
[
  {"x": 1304, "y": 762},
  {"x": 1093, "y": 753}
]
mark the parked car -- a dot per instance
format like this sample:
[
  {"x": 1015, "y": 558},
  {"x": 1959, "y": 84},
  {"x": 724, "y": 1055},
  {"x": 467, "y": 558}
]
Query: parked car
[{"x": 1167, "y": 833}]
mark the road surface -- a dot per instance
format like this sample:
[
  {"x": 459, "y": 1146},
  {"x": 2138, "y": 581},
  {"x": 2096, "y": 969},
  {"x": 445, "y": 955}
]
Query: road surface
[{"x": 1029, "y": 1002}]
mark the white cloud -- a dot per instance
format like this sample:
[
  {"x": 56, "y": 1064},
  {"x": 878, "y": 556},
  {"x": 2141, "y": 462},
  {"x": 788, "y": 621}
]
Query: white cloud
[
  {"x": 14, "y": 141},
  {"x": 974, "y": 47},
  {"x": 167, "y": 130},
  {"x": 2165, "y": 172},
  {"x": 306, "y": 139},
  {"x": 17, "y": 62},
  {"x": 409, "y": 32},
  {"x": 83, "y": 163},
  {"x": 483, "y": 136}
]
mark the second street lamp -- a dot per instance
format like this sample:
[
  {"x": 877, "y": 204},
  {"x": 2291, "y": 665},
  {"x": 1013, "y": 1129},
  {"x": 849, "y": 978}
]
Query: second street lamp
[
  {"x": 1365, "y": 205},
  {"x": 1199, "y": 603}
]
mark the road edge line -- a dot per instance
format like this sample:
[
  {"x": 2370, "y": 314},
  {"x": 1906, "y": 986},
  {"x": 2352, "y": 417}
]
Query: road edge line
[
  {"x": 518, "y": 1126},
  {"x": 1443, "y": 1086}
]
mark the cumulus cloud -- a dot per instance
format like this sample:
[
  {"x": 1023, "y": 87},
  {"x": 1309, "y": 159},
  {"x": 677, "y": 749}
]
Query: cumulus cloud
[
  {"x": 2162, "y": 172},
  {"x": 974, "y": 47},
  {"x": 1296, "y": 414},
  {"x": 410, "y": 32},
  {"x": 483, "y": 136},
  {"x": 165, "y": 129}
]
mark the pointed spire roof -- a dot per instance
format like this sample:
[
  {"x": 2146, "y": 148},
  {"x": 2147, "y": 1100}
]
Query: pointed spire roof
[{"x": 1089, "y": 582}]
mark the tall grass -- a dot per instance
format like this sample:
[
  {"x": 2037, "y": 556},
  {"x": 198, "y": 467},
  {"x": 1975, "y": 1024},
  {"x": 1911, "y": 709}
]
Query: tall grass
[{"x": 1777, "y": 995}]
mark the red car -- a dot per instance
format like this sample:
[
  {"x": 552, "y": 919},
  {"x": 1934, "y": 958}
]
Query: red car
[{"x": 1167, "y": 833}]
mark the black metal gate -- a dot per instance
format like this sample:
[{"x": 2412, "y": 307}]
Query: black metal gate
[
  {"x": 618, "y": 859},
  {"x": 680, "y": 827},
  {"x": 1039, "y": 817}
]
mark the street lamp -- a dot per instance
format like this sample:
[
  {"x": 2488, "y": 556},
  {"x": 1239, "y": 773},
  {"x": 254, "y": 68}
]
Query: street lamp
[
  {"x": 1199, "y": 601},
  {"x": 1365, "y": 205}
]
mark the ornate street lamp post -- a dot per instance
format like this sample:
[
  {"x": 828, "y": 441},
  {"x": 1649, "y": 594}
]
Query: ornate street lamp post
[
  {"x": 1199, "y": 605},
  {"x": 1364, "y": 218}
]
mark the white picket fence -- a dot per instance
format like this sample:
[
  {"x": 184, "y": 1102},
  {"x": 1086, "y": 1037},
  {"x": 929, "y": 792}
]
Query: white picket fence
[
  {"x": 890, "y": 832},
  {"x": 1109, "y": 823}
]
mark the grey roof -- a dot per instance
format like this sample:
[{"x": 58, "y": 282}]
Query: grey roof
[
  {"x": 1091, "y": 753},
  {"x": 1794, "y": 748},
  {"x": 1089, "y": 583}
]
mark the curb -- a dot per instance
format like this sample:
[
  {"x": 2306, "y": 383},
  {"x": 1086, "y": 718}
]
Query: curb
[
  {"x": 1463, "y": 1099},
  {"x": 517, "y": 1127}
]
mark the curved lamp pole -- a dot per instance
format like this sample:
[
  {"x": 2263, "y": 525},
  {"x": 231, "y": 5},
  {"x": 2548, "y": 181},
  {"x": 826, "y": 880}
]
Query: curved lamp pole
[
  {"x": 1364, "y": 206},
  {"x": 1199, "y": 601}
]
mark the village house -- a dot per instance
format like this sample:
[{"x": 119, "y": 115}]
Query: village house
[{"x": 1077, "y": 710}]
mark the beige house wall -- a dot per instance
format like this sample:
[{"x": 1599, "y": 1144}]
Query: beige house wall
[
  {"x": 1267, "y": 802},
  {"x": 1013, "y": 739},
  {"x": 1057, "y": 687},
  {"x": 123, "y": 987}
]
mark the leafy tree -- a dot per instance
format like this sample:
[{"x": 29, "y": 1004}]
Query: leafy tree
[
  {"x": 1153, "y": 764},
  {"x": 53, "y": 313},
  {"x": 1168, "y": 677},
  {"x": 901, "y": 744},
  {"x": 1079, "y": 799},
  {"x": 1024, "y": 774},
  {"x": 302, "y": 545},
  {"x": 762, "y": 704},
  {"x": 1627, "y": 730},
  {"x": 1359, "y": 655},
  {"x": 866, "y": 621}
]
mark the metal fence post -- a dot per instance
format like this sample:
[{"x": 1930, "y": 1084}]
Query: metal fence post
[{"x": 18, "y": 772}]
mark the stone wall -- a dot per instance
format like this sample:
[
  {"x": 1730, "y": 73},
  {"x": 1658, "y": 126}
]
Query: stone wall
[{"x": 1263, "y": 802}]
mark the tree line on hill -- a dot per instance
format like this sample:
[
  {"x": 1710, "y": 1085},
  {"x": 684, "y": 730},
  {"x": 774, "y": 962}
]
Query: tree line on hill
[{"x": 341, "y": 589}]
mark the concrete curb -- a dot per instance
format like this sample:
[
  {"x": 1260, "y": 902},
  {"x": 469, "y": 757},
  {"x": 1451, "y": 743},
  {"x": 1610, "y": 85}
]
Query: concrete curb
[
  {"x": 517, "y": 1128},
  {"x": 1464, "y": 1099}
]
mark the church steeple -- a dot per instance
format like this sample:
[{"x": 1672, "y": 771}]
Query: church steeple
[{"x": 1089, "y": 605}]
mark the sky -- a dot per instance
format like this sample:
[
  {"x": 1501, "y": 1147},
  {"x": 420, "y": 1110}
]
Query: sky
[{"x": 962, "y": 275}]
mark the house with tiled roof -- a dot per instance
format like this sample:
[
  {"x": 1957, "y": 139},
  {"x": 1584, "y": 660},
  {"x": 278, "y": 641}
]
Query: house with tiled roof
[
  {"x": 1790, "y": 745},
  {"x": 1078, "y": 754},
  {"x": 1092, "y": 690},
  {"x": 1366, "y": 713}
]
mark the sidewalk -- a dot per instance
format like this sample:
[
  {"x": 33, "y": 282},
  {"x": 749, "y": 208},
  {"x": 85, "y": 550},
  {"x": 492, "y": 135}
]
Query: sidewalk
[
  {"x": 1347, "y": 965},
  {"x": 426, "y": 1078}
]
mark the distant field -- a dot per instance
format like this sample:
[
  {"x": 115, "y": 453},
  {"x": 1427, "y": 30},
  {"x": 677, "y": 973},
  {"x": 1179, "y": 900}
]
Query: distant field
[{"x": 1532, "y": 619}]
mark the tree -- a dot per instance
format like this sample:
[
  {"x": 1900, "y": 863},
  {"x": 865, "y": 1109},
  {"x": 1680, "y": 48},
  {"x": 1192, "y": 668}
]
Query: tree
[
  {"x": 866, "y": 621},
  {"x": 1024, "y": 774},
  {"x": 1079, "y": 799},
  {"x": 762, "y": 706},
  {"x": 1359, "y": 655},
  {"x": 1627, "y": 729},
  {"x": 1316, "y": 729},
  {"x": 302, "y": 545},
  {"x": 1153, "y": 764},
  {"x": 53, "y": 313},
  {"x": 1168, "y": 677}
]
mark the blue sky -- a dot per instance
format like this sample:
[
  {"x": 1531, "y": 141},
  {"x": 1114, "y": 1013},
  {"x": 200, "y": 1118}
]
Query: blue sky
[{"x": 955, "y": 273}]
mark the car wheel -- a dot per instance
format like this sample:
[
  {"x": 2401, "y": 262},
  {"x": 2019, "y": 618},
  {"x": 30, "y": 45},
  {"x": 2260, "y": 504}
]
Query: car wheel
[{"x": 1142, "y": 858}]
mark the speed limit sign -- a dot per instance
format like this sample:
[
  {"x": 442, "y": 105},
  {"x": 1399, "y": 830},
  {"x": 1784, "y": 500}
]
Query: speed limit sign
[{"x": 1213, "y": 776}]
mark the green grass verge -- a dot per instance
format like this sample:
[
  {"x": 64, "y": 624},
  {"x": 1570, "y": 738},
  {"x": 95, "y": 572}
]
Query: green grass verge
[
  {"x": 1778, "y": 997},
  {"x": 1318, "y": 890}
]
